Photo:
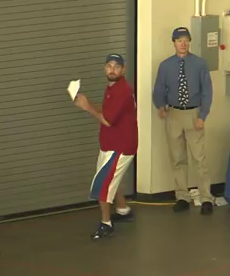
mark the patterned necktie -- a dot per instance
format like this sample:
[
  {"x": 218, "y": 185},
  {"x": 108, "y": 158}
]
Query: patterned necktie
[{"x": 183, "y": 95}]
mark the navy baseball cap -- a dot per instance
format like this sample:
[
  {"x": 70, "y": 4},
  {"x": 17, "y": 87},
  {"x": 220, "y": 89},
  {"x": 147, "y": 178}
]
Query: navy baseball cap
[
  {"x": 181, "y": 31},
  {"x": 116, "y": 57}
]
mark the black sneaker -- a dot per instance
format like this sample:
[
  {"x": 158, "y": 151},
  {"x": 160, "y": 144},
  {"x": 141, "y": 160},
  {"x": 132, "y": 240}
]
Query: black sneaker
[
  {"x": 206, "y": 208},
  {"x": 104, "y": 230},
  {"x": 181, "y": 205},
  {"x": 122, "y": 218}
]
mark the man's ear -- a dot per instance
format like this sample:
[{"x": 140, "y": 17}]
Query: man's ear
[{"x": 124, "y": 70}]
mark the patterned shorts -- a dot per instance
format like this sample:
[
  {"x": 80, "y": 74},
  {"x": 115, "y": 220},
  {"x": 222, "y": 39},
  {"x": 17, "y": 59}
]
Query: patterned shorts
[{"x": 111, "y": 166}]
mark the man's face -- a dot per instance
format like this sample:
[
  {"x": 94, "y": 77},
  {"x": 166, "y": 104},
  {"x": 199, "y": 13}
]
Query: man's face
[
  {"x": 182, "y": 45},
  {"x": 114, "y": 71}
]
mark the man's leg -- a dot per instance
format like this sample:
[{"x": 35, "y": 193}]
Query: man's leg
[
  {"x": 123, "y": 211},
  {"x": 99, "y": 190},
  {"x": 105, "y": 212},
  {"x": 110, "y": 170},
  {"x": 196, "y": 145},
  {"x": 178, "y": 157},
  {"x": 105, "y": 228},
  {"x": 120, "y": 200}
]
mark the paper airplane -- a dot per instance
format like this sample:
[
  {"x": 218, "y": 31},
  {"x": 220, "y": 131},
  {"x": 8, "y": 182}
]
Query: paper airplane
[{"x": 73, "y": 88}]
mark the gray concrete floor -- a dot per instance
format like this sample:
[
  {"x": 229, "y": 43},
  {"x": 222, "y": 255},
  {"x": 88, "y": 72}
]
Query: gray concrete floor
[{"x": 158, "y": 243}]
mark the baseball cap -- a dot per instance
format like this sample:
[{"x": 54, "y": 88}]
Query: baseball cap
[
  {"x": 116, "y": 57},
  {"x": 181, "y": 31}
]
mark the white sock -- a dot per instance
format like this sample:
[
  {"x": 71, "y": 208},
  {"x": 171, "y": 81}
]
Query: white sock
[
  {"x": 123, "y": 211},
  {"x": 108, "y": 223}
]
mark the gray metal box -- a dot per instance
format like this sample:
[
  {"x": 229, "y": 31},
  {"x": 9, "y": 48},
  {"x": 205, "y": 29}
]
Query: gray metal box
[
  {"x": 205, "y": 39},
  {"x": 228, "y": 84}
]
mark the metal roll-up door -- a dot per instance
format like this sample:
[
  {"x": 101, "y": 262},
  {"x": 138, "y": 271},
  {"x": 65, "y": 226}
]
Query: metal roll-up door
[{"x": 48, "y": 147}]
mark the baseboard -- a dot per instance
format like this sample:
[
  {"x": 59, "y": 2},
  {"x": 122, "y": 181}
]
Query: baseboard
[
  {"x": 47, "y": 211},
  {"x": 53, "y": 210},
  {"x": 216, "y": 190}
]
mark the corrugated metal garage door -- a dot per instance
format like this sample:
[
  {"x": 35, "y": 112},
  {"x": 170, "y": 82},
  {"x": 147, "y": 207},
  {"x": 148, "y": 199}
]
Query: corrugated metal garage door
[{"x": 48, "y": 148}]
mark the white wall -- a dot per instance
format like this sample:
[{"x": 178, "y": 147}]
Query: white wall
[
  {"x": 157, "y": 19},
  {"x": 144, "y": 96}
]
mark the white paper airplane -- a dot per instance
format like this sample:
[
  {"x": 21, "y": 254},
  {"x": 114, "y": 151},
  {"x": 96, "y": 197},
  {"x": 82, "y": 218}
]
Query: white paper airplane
[{"x": 73, "y": 88}]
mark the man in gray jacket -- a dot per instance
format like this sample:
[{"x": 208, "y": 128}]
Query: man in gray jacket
[{"x": 183, "y": 97}]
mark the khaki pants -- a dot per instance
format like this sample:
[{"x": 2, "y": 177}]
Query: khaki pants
[{"x": 183, "y": 137}]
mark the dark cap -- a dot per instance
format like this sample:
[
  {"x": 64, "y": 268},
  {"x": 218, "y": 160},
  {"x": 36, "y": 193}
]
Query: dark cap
[
  {"x": 116, "y": 57},
  {"x": 181, "y": 31}
]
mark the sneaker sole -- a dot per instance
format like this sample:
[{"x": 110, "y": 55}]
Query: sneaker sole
[
  {"x": 103, "y": 237},
  {"x": 123, "y": 220}
]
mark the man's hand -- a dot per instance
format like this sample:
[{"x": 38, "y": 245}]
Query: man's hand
[
  {"x": 199, "y": 124},
  {"x": 82, "y": 102},
  {"x": 162, "y": 113}
]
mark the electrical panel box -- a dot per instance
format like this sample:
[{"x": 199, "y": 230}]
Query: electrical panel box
[
  {"x": 226, "y": 41},
  {"x": 225, "y": 46},
  {"x": 228, "y": 84},
  {"x": 205, "y": 39}
]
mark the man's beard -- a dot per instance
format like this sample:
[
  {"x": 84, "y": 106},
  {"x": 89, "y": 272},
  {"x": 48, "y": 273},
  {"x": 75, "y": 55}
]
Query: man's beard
[{"x": 112, "y": 78}]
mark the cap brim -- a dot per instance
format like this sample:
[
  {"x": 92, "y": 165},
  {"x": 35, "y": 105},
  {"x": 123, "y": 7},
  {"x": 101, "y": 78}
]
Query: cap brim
[{"x": 182, "y": 34}]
